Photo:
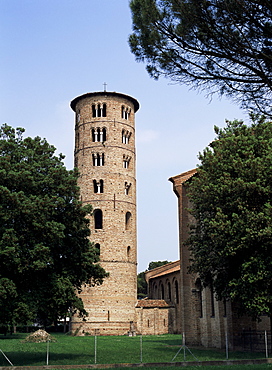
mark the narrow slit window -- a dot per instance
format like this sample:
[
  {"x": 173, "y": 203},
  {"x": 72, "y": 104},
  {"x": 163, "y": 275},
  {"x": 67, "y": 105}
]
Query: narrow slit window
[
  {"x": 94, "y": 110},
  {"x": 127, "y": 188},
  {"x": 169, "y": 291},
  {"x": 176, "y": 292},
  {"x": 128, "y": 221},
  {"x": 104, "y": 110},
  {"x": 98, "y": 219}
]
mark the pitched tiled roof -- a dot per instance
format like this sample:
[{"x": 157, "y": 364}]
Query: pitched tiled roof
[
  {"x": 163, "y": 270},
  {"x": 183, "y": 177}
]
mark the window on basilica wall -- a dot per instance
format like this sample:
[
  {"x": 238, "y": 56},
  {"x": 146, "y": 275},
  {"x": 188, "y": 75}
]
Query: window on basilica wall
[
  {"x": 161, "y": 291},
  {"x": 169, "y": 291},
  {"x": 176, "y": 292}
]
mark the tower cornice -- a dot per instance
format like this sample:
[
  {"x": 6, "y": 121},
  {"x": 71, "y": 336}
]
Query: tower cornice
[{"x": 104, "y": 93}]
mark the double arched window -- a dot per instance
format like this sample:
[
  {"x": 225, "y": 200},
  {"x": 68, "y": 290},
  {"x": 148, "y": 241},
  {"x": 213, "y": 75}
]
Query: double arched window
[
  {"x": 125, "y": 112},
  {"x": 127, "y": 187},
  {"x": 98, "y": 159},
  {"x": 126, "y": 160},
  {"x": 125, "y": 136},
  {"x": 98, "y": 186}
]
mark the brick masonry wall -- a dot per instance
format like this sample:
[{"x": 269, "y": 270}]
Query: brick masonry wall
[{"x": 111, "y": 306}]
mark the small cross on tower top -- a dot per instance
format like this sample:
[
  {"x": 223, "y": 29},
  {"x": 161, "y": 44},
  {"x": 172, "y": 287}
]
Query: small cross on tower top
[{"x": 105, "y": 86}]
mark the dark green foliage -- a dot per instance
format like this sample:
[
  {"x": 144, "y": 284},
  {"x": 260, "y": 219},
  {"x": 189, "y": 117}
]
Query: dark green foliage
[
  {"x": 141, "y": 285},
  {"x": 152, "y": 265},
  {"x": 45, "y": 254},
  {"x": 222, "y": 45},
  {"x": 231, "y": 201}
]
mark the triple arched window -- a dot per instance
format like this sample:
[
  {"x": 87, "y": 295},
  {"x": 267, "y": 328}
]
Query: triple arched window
[
  {"x": 99, "y": 110},
  {"x": 99, "y": 134}
]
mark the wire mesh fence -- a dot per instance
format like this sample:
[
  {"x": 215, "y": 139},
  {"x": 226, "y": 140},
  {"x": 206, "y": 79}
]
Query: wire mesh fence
[
  {"x": 69, "y": 350},
  {"x": 253, "y": 341}
]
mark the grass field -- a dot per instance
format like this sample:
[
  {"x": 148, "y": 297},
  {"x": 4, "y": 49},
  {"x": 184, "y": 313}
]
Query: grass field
[{"x": 70, "y": 350}]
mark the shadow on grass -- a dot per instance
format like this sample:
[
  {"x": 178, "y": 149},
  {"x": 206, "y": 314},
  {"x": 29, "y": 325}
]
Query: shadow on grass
[{"x": 39, "y": 359}]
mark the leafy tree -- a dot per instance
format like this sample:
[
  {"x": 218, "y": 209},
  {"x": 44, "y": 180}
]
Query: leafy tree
[
  {"x": 141, "y": 283},
  {"x": 152, "y": 265},
  {"x": 45, "y": 254},
  {"x": 231, "y": 196},
  {"x": 224, "y": 46}
]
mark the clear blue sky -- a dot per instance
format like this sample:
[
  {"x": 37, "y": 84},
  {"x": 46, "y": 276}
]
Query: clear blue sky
[{"x": 55, "y": 50}]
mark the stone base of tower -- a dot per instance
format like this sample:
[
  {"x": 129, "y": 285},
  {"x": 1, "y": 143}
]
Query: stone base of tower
[{"x": 80, "y": 327}]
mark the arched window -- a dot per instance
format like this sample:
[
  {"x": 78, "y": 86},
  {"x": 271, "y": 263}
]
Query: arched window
[
  {"x": 125, "y": 112},
  {"x": 98, "y": 159},
  {"x": 98, "y": 186},
  {"x": 128, "y": 251},
  {"x": 126, "y": 161},
  {"x": 125, "y": 136},
  {"x": 78, "y": 117},
  {"x": 176, "y": 292},
  {"x": 127, "y": 187},
  {"x": 98, "y": 134},
  {"x": 99, "y": 110},
  {"x": 128, "y": 221},
  {"x": 169, "y": 291},
  {"x": 155, "y": 292},
  {"x": 104, "y": 110},
  {"x": 98, "y": 219},
  {"x": 161, "y": 291},
  {"x": 97, "y": 247}
]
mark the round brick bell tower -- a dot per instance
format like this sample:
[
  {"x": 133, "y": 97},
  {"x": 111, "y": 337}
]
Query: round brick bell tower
[{"x": 105, "y": 157}]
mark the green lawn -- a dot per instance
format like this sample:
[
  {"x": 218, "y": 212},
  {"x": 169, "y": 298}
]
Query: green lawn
[{"x": 70, "y": 350}]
